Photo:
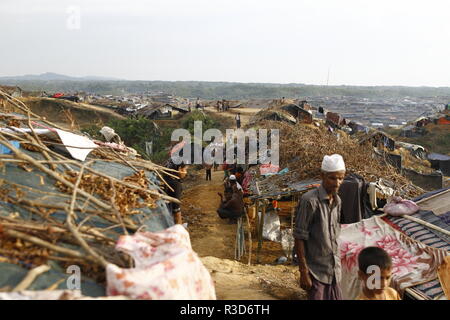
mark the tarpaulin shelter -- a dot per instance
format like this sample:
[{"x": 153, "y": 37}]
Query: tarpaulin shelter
[
  {"x": 299, "y": 113},
  {"x": 58, "y": 211},
  {"x": 440, "y": 162},
  {"x": 279, "y": 193}
]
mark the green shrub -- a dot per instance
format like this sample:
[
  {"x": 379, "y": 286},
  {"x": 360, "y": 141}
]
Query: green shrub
[
  {"x": 207, "y": 122},
  {"x": 135, "y": 132}
]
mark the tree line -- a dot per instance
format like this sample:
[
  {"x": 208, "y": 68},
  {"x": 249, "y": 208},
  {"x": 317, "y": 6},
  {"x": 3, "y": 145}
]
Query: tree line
[{"x": 227, "y": 90}]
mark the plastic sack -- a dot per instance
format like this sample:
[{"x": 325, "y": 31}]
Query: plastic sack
[
  {"x": 398, "y": 207},
  {"x": 271, "y": 228},
  {"x": 166, "y": 268},
  {"x": 108, "y": 133}
]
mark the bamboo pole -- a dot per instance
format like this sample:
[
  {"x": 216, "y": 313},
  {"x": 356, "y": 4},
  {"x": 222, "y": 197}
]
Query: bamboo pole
[
  {"x": 98, "y": 258},
  {"x": 260, "y": 232},
  {"x": 250, "y": 244},
  {"x": 427, "y": 224},
  {"x": 43, "y": 243},
  {"x": 433, "y": 196},
  {"x": 30, "y": 277}
]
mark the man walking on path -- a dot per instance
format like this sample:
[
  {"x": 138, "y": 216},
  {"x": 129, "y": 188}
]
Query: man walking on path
[
  {"x": 316, "y": 232},
  {"x": 176, "y": 189},
  {"x": 238, "y": 120},
  {"x": 208, "y": 168}
]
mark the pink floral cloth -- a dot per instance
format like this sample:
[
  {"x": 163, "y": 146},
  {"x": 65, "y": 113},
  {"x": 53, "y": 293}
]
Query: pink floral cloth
[
  {"x": 413, "y": 262},
  {"x": 268, "y": 168},
  {"x": 166, "y": 268}
]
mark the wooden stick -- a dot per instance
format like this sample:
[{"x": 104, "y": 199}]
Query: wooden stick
[
  {"x": 124, "y": 160},
  {"x": 38, "y": 141},
  {"x": 415, "y": 295},
  {"x": 129, "y": 185},
  {"x": 427, "y": 224},
  {"x": 116, "y": 210},
  {"x": 33, "y": 204},
  {"x": 93, "y": 233},
  {"x": 43, "y": 243},
  {"x": 30, "y": 277},
  {"x": 260, "y": 232},
  {"x": 32, "y": 209},
  {"x": 433, "y": 196},
  {"x": 250, "y": 244},
  {"x": 98, "y": 258},
  {"x": 55, "y": 285},
  {"x": 23, "y": 225}
]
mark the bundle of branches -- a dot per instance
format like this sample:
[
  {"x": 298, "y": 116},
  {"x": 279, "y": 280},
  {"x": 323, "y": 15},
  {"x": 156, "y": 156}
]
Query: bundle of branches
[
  {"x": 303, "y": 146},
  {"x": 52, "y": 225},
  {"x": 126, "y": 198}
]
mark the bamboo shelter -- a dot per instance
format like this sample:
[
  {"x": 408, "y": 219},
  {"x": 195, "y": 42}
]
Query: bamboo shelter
[{"x": 57, "y": 211}]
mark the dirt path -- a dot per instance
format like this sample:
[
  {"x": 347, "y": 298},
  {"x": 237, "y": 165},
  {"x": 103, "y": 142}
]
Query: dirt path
[
  {"x": 212, "y": 236},
  {"x": 246, "y": 113},
  {"x": 213, "y": 240}
]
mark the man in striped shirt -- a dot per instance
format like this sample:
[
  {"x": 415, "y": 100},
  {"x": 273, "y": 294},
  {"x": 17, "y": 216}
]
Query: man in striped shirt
[{"x": 316, "y": 232}]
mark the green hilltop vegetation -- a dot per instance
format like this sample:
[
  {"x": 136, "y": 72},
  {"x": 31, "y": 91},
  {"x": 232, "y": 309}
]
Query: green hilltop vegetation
[
  {"x": 226, "y": 90},
  {"x": 436, "y": 138},
  {"x": 135, "y": 132}
]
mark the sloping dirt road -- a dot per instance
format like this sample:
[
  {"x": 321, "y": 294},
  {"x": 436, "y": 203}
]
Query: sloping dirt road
[{"x": 213, "y": 239}]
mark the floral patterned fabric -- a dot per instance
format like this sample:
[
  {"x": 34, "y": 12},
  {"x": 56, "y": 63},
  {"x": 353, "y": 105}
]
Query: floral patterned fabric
[
  {"x": 166, "y": 268},
  {"x": 413, "y": 262}
]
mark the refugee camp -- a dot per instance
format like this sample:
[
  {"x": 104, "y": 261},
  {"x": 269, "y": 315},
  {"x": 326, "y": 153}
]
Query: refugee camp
[{"x": 195, "y": 152}]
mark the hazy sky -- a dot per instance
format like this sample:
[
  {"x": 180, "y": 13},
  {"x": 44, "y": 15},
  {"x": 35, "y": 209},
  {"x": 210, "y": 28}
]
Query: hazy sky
[{"x": 382, "y": 42}]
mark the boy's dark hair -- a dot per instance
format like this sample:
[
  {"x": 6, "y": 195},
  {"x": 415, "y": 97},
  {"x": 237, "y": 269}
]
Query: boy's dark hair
[{"x": 374, "y": 256}]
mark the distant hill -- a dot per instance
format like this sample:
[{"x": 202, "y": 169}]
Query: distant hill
[
  {"x": 51, "y": 82},
  {"x": 50, "y": 76}
]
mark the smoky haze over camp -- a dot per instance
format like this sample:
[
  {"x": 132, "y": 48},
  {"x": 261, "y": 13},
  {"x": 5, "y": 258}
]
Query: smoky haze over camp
[{"x": 313, "y": 42}]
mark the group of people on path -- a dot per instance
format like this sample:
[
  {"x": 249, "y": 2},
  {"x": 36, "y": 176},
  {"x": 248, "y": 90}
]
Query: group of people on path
[
  {"x": 222, "y": 105},
  {"x": 232, "y": 201}
]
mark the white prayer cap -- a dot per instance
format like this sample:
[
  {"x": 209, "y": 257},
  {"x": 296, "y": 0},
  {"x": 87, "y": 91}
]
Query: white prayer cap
[
  {"x": 333, "y": 163},
  {"x": 232, "y": 177}
]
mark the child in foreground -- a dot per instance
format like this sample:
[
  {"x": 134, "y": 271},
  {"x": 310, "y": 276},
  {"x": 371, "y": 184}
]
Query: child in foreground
[{"x": 375, "y": 272}]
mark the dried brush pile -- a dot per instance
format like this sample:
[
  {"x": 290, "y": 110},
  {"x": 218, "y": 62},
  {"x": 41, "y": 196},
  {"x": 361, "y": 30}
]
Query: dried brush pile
[
  {"x": 54, "y": 222},
  {"x": 303, "y": 146}
]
